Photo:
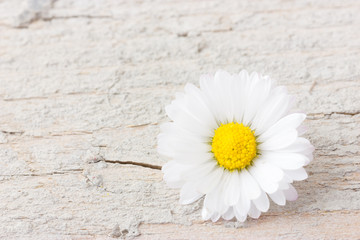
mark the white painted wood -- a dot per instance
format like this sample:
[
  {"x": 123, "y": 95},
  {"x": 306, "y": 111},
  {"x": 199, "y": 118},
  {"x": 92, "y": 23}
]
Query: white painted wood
[{"x": 85, "y": 82}]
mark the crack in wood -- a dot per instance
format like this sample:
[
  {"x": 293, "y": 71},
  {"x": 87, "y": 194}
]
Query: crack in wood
[
  {"x": 42, "y": 174},
  {"x": 141, "y": 125},
  {"x": 344, "y": 113},
  {"x": 76, "y": 16},
  {"x": 17, "y": 133},
  {"x": 317, "y": 116},
  {"x": 145, "y": 165}
]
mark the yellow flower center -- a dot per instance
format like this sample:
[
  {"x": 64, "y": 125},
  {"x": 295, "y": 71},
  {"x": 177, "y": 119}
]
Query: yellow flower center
[{"x": 234, "y": 146}]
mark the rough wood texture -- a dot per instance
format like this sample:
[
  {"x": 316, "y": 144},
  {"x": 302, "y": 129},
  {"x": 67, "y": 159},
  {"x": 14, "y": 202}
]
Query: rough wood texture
[{"x": 84, "y": 84}]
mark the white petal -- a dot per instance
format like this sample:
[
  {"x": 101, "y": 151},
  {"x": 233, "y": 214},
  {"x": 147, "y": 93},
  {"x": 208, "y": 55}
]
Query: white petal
[
  {"x": 198, "y": 172},
  {"x": 290, "y": 194},
  {"x": 272, "y": 110},
  {"x": 262, "y": 180},
  {"x": 240, "y": 218},
  {"x": 229, "y": 214},
  {"x": 257, "y": 93},
  {"x": 285, "y": 160},
  {"x": 309, "y": 156},
  {"x": 205, "y": 214},
  {"x": 215, "y": 217},
  {"x": 172, "y": 174},
  {"x": 213, "y": 200},
  {"x": 291, "y": 121},
  {"x": 232, "y": 190},
  {"x": 239, "y": 94},
  {"x": 172, "y": 183},
  {"x": 172, "y": 146},
  {"x": 169, "y": 166},
  {"x": 171, "y": 128},
  {"x": 280, "y": 140},
  {"x": 197, "y": 104},
  {"x": 250, "y": 100},
  {"x": 182, "y": 146},
  {"x": 303, "y": 146},
  {"x": 209, "y": 87},
  {"x": 249, "y": 185},
  {"x": 207, "y": 183},
  {"x": 164, "y": 150},
  {"x": 224, "y": 84},
  {"x": 262, "y": 203},
  {"x": 254, "y": 212},
  {"x": 297, "y": 175},
  {"x": 183, "y": 143},
  {"x": 302, "y": 129},
  {"x": 222, "y": 76},
  {"x": 243, "y": 205},
  {"x": 188, "y": 194},
  {"x": 206, "y": 80},
  {"x": 237, "y": 103},
  {"x": 193, "y": 158},
  {"x": 244, "y": 75},
  {"x": 278, "y": 197},
  {"x": 270, "y": 172},
  {"x": 300, "y": 145},
  {"x": 181, "y": 116},
  {"x": 284, "y": 185}
]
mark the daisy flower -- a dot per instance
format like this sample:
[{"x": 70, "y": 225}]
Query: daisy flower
[{"x": 234, "y": 141}]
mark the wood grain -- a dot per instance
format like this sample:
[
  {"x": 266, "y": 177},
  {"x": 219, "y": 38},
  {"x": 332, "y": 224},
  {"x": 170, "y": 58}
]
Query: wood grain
[{"x": 83, "y": 86}]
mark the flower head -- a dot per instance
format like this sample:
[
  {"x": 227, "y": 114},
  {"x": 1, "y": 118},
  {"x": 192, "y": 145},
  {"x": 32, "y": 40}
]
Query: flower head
[{"x": 234, "y": 141}]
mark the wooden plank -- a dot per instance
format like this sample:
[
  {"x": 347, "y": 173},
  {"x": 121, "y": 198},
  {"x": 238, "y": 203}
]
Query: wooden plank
[{"x": 83, "y": 87}]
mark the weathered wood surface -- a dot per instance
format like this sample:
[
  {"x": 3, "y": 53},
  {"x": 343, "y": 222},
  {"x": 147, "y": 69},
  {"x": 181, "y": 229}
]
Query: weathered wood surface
[{"x": 84, "y": 83}]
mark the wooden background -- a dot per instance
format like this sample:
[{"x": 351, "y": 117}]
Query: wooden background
[{"x": 83, "y": 85}]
